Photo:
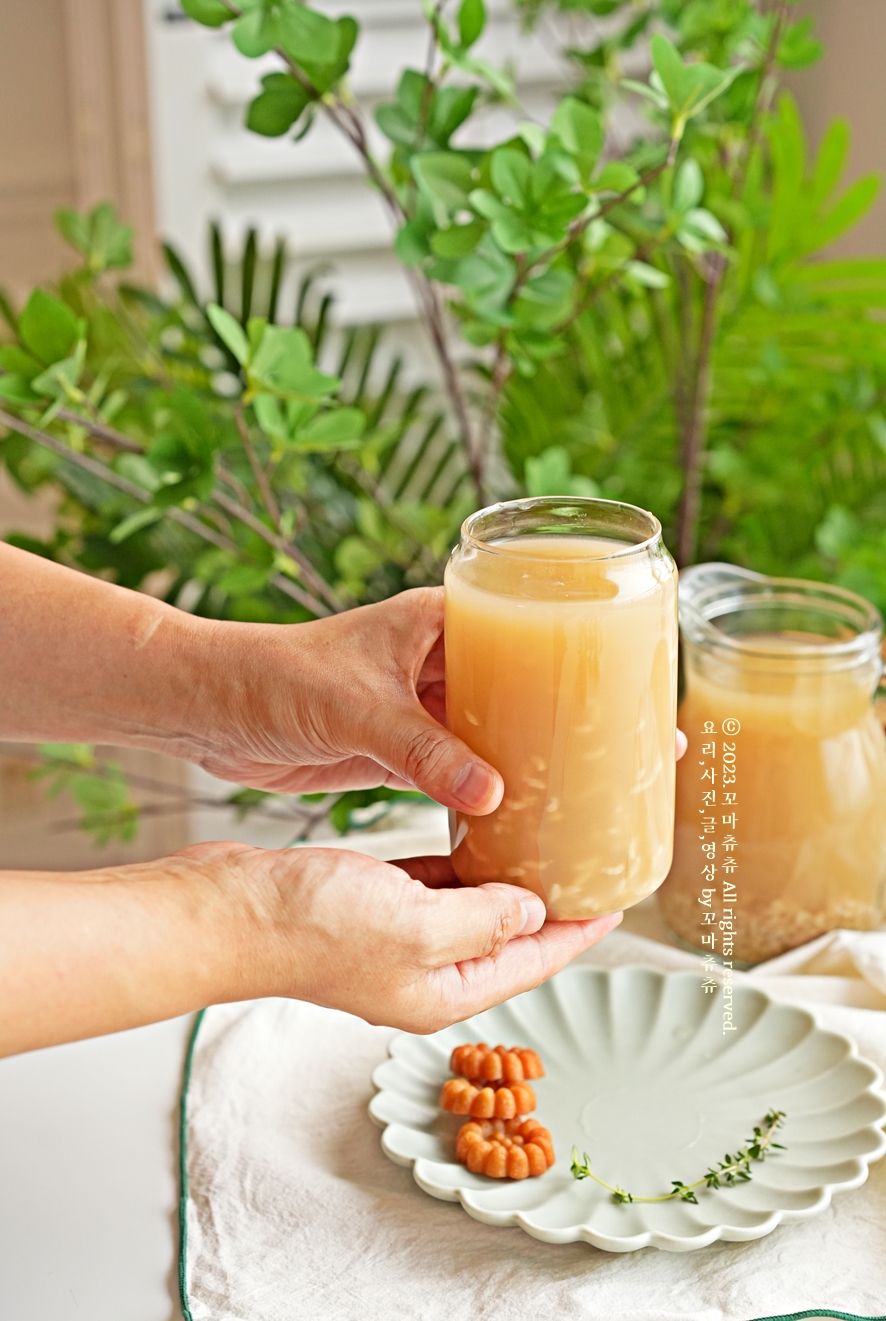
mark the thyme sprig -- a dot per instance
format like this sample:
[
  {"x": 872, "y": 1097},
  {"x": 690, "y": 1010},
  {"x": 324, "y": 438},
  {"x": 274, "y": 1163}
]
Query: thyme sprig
[{"x": 729, "y": 1171}]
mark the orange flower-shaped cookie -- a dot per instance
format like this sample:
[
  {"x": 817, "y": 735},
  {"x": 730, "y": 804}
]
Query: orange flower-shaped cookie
[
  {"x": 497, "y": 1066},
  {"x": 461, "y": 1097},
  {"x": 505, "y": 1149}
]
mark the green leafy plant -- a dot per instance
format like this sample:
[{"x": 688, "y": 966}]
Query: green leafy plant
[
  {"x": 731, "y": 1170},
  {"x": 264, "y": 489},
  {"x": 656, "y": 324}
]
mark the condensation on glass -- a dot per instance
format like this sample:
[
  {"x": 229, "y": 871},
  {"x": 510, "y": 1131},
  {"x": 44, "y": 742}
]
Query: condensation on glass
[
  {"x": 561, "y": 662},
  {"x": 782, "y": 673}
]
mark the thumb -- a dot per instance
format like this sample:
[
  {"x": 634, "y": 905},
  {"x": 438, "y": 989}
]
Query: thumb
[{"x": 419, "y": 750}]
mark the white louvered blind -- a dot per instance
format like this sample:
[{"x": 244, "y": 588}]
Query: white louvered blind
[{"x": 208, "y": 167}]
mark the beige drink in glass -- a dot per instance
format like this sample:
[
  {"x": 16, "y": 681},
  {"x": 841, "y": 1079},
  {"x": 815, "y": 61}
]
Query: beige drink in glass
[
  {"x": 796, "y": 814},
  {"x": 561, "y": 665}
]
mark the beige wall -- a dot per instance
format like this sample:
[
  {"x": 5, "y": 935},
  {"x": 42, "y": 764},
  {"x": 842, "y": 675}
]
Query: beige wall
[
  {"x": 73, "y": 131},
  {"x": 73, "y": 127},
  {"x": 849, "y": 82}
]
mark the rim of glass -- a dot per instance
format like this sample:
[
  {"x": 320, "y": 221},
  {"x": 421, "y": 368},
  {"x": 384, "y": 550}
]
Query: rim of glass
[
  {"x": 552, "y": 504},
  {"x": 747, "y": 591}
]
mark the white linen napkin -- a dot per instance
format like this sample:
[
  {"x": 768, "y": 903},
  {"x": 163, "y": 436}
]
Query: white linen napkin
[{"x": 295, "y": 1212}]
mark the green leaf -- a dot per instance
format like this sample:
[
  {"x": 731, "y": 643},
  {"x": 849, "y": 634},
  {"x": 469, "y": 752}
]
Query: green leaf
[
  {"x": 411, "y": 242},
  {"x": 13, "y": 359},
  {"x": 245, "y": 578},
  {"x": 580, "y": 130},
  {"x": 650, "y": 92},
  {"x": 649, "y": 276},
  {"x": 471, "y": 21},
  {"x": 112, "y": 241},
  {"x": 830, "y": 161},
  {"x": 512, "y": 235},
  {"x": 550, "y": 473},
  {"x": 444, "y": 175},
  {"x": 100, "y": 236},
  {"x": 270, "y": 416},
  {"x": 355, "y": 559},
  {"x": 689, "y": 87},
  {"x": 411, "y": 92},
  {"x": 549, "y": 288},
  {"x": 450, "y": 107},
  {"x": 70, "y": 754},
  {"x": 338, "y": 427},
  {"x": 211, "y": 13},
  {"x": 47, "y": 327},
  {"x": 396, "y": 124},
  {"x": 798, "y": 48},
  {"x": 74, "y": 227},
  {"x": 704, "y": 223},
  {"x": 323, "y": 74},
  {"x": 511, "y": 174},
  {"x": 180, "y": 272},
  {"x": 276, "y": 109},
  {"x": 458, "y": 240},
  {"x": 229, "y": 331},
  {"x": 17, "y": 390},
  {"x": 855, "y": 202},
  {"x": 688, "y": 185},
  {"x": 255, "y": 33},
  {"x": 134, "y": 523},
  {"x": 59, "y": 380},
  {"x": 309, "y": 37},
  {"x": 616, "y": 177},
  {"x": 283, "y": 364}
]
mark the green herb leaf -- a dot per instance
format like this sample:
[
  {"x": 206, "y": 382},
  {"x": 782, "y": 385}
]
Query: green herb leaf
[{"x": 471, "y": 21}]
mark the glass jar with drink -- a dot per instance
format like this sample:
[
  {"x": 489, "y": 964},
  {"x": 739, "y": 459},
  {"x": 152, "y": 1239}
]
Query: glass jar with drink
[
  {"x": 781, "y": 797},
  {"x": 561, "y": 666}
]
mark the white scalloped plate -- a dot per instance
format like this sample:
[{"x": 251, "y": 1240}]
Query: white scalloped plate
[{"x": 641, "y": 1076}]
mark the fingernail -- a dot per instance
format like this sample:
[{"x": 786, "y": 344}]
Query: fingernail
[
  {"x": 534, "y": 915},
  {"x": 599, "y": 927},
  {"x": 474, "y": 785}
]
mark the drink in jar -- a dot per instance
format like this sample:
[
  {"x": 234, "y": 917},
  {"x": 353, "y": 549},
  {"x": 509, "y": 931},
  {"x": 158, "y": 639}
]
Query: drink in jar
[
  {"x": 561, "y": 653},
  {"x": 798, "y": 813}
]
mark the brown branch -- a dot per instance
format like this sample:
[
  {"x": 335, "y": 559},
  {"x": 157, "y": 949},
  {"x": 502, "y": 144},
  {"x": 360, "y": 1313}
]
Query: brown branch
[
  {"x": 348, "y": 122},
  {"x": 695, "y": 433},
  {"x": 435, "y": 322},
  {"x": 279, "y": 543},
  {"x": 378, "y": 494},
  {"x": 139, "y": 493},
  {"x": 258, "y": 471},
  {"x": 501, "y": 372},
  {"x": 763, "y": 100},
  {"x": 101, "y": 431},
  {"x": 578, "y": 226}
]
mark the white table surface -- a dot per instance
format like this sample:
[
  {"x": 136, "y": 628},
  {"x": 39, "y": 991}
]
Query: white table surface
[
  {"x": 89, "y": 1149},
  {"x": 88, "y": 1183},
  {"x": 88, "y": 1161}
]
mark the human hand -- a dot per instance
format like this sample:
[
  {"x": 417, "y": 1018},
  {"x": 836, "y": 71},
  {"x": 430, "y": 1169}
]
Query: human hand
[
  {"x": 349, "y": 702},
  {"x": 400, "y": 944}
]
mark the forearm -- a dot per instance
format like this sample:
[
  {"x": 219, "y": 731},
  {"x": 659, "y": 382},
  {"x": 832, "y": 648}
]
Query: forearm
[
  {"x": 83, "y": 954},
  {"x": 84, "y": 661}
]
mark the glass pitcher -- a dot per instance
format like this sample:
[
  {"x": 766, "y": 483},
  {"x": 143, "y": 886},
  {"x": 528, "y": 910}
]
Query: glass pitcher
[
  {"x": 781, "y": 797},
  {"x": 561, "y": 671}
]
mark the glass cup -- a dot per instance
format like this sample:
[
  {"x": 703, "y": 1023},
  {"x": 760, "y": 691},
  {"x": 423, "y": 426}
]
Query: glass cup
[
  {"x": 561, "y": 672},
  {"x": 781, "y": 797}
]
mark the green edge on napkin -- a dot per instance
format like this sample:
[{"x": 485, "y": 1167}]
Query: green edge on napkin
[
  {"x": 183, "y": 1207},
  {"x": 183, "y": 1171},
  {"x": 819, "y": 1311}
]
